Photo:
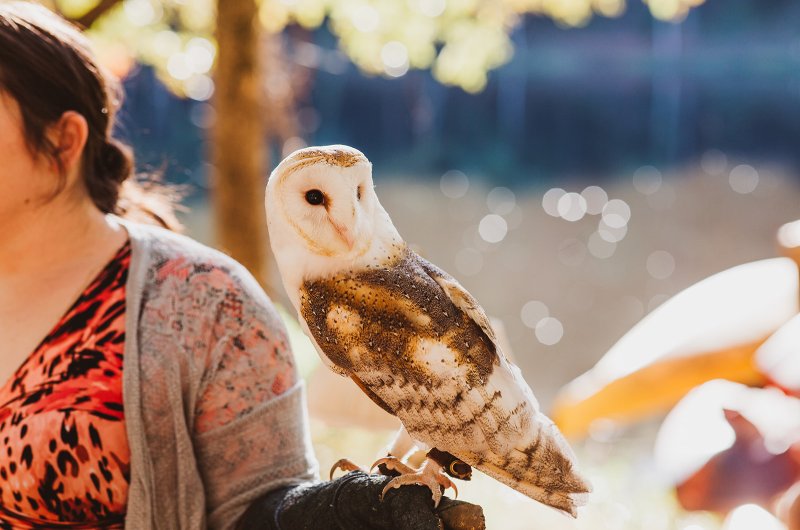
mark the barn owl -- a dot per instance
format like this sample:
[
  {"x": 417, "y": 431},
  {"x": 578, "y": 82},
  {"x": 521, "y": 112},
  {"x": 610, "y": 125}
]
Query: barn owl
[{"x": 408, "y": 334}]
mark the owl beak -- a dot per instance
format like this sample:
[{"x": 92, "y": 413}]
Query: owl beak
[{"x": 346, "y": 236}]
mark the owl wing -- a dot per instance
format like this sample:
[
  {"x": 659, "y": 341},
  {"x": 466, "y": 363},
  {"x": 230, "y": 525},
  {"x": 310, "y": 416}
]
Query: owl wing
[
  {"x": 461, "y": 298},
  {"x": 502, "y": 402},
  {"x": 521, "y": 446}
]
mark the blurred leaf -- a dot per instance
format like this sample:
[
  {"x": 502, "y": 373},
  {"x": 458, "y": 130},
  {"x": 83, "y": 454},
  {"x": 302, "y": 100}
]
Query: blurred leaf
[
  {"x": 461, "y": 40},
  {"x": 75, "y": 8}
]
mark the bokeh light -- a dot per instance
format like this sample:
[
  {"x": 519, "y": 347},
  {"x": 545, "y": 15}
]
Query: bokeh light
[
  {"x": 550, "y": 201},
  {"x": 200, "y": 87},
  {"x": 200, "y": 55},
  {"x": 394, "y": 55},
  {"x": 142, "y": 12},
  {"x": 203, "y": 115},
  {"x": 714, "y": 162},
  {"x": 751, "y": 517},
  {"x": 647, "y": 180},
  {"x": 532, "y": 312},
  {"x": 596, "y": 199},
  {"x": 616, "y": 213},
  {"x": 493, "y": 228},
  {"x": 611, "y": 234},
  {"x": 599, "y": 247},
  {"x": 571, "y": 207},
  {"x": 501, "y": 200},
  {"x": 454, "y": 184},
  {"x": 660, "y": 264},
  {"x": 549, "y": 331},
  {"x": 743, "y": 179},
  {"x": 179, "y": 67}
]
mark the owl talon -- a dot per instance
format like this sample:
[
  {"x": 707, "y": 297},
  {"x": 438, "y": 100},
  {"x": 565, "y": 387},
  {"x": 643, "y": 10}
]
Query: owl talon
[
  {"x": 345, "y": 465},
  {"x": 393, "y": 464},
  {"x": 431, "y": 475}
]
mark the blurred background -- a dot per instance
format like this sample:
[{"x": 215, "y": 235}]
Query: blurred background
[{"x": 574, "y": 163}]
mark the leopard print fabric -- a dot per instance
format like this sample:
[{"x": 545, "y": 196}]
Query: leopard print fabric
[{"x": 64, "y": 457}]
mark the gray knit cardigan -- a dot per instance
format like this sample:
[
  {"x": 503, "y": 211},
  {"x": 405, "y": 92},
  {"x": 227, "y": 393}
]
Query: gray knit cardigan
[{"x": 214, "y": 410}]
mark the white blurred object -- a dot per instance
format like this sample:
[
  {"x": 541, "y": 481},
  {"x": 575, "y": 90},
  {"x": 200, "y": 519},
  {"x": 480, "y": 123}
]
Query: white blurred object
[
  {"x": 739, "y": 305},
  {"x": 751, "y": 517},
  {"x": 696, "y": 429},
  {"x": 778, "y": 356}
]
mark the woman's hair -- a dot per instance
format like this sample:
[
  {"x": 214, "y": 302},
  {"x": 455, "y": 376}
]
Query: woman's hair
[{"x": 47, "y": 66}]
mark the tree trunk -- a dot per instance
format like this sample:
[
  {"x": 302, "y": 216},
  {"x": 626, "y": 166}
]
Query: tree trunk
[{"x": 239, "y": 153}]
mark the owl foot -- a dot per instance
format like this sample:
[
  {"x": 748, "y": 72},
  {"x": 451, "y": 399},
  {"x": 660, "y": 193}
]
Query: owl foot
[
  {"x": 430, "y": 474},
  {"x": 391, "y": 464},
  {"x": 345, "y": 465}
]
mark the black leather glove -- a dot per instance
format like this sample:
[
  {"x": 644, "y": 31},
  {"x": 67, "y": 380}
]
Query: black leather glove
[{"x": 352, "y": 502}]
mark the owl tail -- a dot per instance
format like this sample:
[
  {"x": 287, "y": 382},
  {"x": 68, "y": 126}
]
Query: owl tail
[{"x": 543, "y": 467}]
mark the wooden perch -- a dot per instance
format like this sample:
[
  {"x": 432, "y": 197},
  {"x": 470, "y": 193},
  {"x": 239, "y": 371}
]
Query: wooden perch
[{"x": 461, "y": 515}]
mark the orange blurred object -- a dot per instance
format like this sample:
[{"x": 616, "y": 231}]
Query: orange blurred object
[
  {"x": 789, "y": 507},
  {"x": 710, "y": 330}
]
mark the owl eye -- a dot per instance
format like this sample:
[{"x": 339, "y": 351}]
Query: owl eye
[
  {"x": 315, "y": 197},
  {"x": 358, "y": 193}
]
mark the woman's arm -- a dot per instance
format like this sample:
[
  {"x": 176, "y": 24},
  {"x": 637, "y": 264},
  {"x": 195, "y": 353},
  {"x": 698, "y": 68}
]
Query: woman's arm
[{"x": 249, "y": 424}]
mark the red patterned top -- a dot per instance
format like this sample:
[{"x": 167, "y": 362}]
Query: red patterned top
[{"x": 64, "y": 457}]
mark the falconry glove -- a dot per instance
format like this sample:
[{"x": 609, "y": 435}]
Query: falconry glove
[{"x": 352, "y": 502}]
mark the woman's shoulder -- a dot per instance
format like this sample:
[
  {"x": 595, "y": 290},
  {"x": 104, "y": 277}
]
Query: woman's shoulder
[
  {"x": 178, "y": 266},
  {"x": 159, "y": 244}
]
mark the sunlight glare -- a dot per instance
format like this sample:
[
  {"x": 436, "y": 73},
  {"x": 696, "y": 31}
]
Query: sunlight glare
[{"x": 550, "y": 201}]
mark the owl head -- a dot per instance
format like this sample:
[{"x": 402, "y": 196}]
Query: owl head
[
  {"x": 322, "y": 199},
  {"x": 322, "y": 208}
]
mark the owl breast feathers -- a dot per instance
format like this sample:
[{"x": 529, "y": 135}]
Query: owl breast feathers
[{"x": 422, "y": 348}]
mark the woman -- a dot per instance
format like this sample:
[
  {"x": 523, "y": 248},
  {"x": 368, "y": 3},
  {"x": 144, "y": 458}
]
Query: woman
[{"x": 147, "y": 380}]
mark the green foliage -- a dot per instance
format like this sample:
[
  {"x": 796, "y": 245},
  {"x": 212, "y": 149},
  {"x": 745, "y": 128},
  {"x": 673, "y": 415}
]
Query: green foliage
[{"x": 459, "y": 40}]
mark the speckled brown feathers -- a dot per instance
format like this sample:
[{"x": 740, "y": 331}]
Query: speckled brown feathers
[{"x": 383, "y": 312}]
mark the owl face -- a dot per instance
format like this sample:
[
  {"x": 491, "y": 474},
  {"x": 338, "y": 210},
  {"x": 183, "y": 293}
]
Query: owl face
[{"x": 326, "y": 199}]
